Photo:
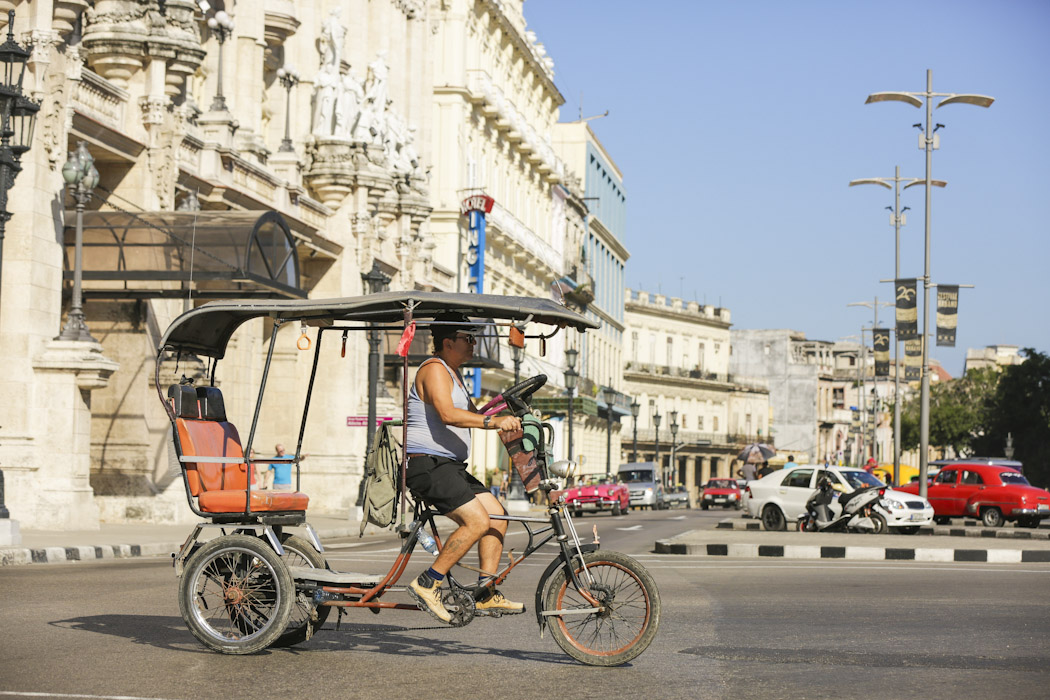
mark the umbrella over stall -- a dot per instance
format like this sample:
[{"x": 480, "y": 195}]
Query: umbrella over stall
[{"x": 756, "y": 453}]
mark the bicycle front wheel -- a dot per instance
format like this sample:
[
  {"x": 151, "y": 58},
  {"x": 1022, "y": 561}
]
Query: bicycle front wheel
[{"x": 627, "y": 621}]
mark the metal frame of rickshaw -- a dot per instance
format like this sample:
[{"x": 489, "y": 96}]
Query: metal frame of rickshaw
[{"x": 559, "y": 524}]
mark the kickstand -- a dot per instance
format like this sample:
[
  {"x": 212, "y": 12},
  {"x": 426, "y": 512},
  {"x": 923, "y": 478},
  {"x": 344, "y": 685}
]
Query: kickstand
[{"x": 339, "y": 620}]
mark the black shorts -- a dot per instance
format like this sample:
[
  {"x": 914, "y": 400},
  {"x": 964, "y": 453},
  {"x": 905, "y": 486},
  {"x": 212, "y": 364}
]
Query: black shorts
[{"x": 442, "y": 482}]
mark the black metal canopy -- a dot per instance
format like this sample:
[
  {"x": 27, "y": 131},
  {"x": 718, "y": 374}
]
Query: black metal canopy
[
  {"x": 159, "y": 254},
  {"x": 207, "y": 329}
]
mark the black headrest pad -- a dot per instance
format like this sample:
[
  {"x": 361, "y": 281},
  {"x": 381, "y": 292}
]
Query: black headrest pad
[
  {"x": 212, "y": 407},
  {"x": 184, "y": 400}
]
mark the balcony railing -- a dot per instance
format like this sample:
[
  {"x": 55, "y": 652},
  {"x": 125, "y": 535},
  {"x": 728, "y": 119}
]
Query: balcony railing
[{"x": 668, "y": 371}]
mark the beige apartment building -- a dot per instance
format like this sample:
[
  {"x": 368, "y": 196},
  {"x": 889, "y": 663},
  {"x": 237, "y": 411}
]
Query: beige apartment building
[
  {"x": 276, "y": 148},
  {"x": 676, "y": 366}
]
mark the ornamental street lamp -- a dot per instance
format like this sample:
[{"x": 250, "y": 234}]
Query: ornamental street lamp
[
  {"x": 375, "y": 281},
  {"x": 289, "y": 78},
  {"x": 635, "y": 407},
  {"x": 222, "y": 24},
  {"x": 863, "y": 364},
  {"x": 17, "y": 119},
  {"x": 571, "y": 376},
  {"x": 656, "y": 444},
  {"x": 674, "y": 444},
  {"x": 610, "y": 395},
  {"x": 928, "y": 141},
  {"x": 897, "y": 219},
  {"x": 80, "y": 174}
]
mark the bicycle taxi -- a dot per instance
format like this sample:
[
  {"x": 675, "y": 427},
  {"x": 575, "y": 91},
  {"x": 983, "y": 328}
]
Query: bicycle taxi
[{"x": 254, "y": 585}]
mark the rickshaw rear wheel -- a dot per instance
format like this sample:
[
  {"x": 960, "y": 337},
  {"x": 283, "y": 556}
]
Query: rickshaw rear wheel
[
  {"x": 299, "y": 552},
  {"x": 236, "y": 594},
  {"x": 627, "y": 624}
]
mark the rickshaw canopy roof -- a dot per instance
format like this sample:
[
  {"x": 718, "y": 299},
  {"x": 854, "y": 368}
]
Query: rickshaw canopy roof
[{"x": 207, "y": 329}]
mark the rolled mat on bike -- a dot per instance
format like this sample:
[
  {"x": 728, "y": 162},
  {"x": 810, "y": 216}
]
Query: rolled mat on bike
[{"x": 522, "y": 446}]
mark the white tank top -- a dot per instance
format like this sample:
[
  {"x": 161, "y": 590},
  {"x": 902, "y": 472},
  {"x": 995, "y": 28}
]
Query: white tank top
[{"x": 426, "y": 433}]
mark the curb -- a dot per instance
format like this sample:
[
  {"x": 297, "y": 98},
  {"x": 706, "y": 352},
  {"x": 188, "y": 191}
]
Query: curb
[
  {"x": 933, "y": 554},
  {"x": 16, "y": 556},
  {"x": 948, "y": 530}
]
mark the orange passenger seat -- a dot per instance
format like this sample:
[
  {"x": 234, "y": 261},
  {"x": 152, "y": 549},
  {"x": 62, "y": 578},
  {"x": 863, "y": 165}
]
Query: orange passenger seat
[{"x": 203, "y": 431}]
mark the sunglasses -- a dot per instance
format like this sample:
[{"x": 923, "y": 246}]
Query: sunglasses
[{"x": 469, "y": 337}]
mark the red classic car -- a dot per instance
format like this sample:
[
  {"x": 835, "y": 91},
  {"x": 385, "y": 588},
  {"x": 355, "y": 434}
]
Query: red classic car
[
  {"x": 992, "y": 493},
  {"x": 598, "y": 493},
  {"x": 720, "y": 492}
]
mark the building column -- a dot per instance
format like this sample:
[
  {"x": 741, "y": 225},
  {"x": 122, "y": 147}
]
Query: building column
[{"x": 705, "y": 470}]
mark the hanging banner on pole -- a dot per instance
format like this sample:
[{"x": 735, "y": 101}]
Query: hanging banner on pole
[
  {"x": 947, "y": 313},
  {"x": 907, "y": 309},
  {"x": 913, "y": 360},
  {"x": 881, "y": 344},
  {"x": 475, "y": 207}
]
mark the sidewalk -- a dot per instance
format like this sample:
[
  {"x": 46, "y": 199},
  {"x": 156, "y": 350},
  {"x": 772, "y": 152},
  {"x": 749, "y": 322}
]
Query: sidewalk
[
  {"x": 136, "y": 540},
  {"x": 834, "y": 545},
  {"x": 117, "y": 541}
]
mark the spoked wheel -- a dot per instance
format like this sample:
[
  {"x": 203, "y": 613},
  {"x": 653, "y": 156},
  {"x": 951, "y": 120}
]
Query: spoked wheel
[
  {"x": 629, "y": 617},
  {"x": 305, "y": 618},
  {"x": 236, "y": 594}
]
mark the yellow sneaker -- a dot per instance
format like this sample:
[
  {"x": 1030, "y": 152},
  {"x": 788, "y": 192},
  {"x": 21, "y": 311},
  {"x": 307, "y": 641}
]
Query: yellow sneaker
[
  {"x": 428, "y": 597},
  {"x": 497, "y": 605}
]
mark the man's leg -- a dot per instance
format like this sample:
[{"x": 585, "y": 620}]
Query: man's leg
[
  {"x": 490, "y": 550},
  {"x": 473, "y": 521}
]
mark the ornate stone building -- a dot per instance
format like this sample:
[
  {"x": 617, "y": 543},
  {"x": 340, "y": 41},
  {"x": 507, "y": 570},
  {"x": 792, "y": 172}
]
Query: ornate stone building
[
  {"x": 272, "y": 148},
  {"x": 676, "y": 364}
]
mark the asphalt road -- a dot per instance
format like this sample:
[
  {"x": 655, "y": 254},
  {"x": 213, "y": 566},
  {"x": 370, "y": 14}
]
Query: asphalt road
[{"x": 730, "y": 629}]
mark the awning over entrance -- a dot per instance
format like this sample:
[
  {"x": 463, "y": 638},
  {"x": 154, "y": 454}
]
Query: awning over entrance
[{"x": 162, "y": 254}]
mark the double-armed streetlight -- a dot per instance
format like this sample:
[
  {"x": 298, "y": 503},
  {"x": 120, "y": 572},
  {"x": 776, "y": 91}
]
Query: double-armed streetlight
[
  {"x": 863, "y": 364},
  {"x": 635, "y": 407},
  {"x": 610, "y": 395},
  {"x": 897, "y": 219},
  {"x": 81, "y": 175},
  {"x": 674, "y": 443},
  {"x": 222, "y": 24},
  {"x": 571, "y": 377},
  {"x": 289, "y": 78},
  {"x": 928, "y": 141},
  {"x": 17, "y": 119}
]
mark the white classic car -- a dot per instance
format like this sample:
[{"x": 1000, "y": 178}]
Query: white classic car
[{"x": 780, "y": 498}]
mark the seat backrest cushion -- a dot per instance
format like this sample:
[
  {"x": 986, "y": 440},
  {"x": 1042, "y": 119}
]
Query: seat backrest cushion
[
  {"x": 212, "y": 406},
  {"x": 183, "y": 400},
  {"x": 208, "y": 438}
]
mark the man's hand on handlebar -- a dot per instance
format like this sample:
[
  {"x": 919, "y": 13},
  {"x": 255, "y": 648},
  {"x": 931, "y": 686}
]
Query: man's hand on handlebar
[{"x": 508, "y": 423}]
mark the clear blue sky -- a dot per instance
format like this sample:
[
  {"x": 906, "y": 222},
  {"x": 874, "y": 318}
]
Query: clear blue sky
[{"x": 738, "y": 125}]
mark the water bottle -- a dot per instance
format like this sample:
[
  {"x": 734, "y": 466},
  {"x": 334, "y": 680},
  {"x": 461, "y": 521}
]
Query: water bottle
[{"x": 426, "y": 539}]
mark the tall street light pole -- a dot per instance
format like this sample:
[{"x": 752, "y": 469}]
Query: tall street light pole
[
  {"x": 635, "y": 407},
  {"x": 656, "y": 441},
  {"x": 80, "y": 174},
  {"x": 222, "y": 24},
  {"x": 875, "y": 324},
  {"x": 610, "y": 395},
  {"x": 571, "y": 377},
  {"x": 17, "y": 119},
  {"x": 927, "y": 142},
  {"x": 674, "y": 444},
  {"x": 897, "y": 219},
  {"x": 289, "y": 78}
]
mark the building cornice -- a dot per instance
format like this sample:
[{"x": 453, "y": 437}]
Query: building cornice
[
  {"x": 669, "y": 313},
  {"x": 606, "y": 237}
]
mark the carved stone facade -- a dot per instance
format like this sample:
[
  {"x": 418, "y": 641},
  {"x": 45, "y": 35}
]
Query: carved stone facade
[{"x": 402, "y": 105}]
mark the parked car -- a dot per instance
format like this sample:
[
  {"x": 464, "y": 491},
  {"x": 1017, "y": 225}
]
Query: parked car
[
  {"x": 780, "y": 498},
  {"x": 644, "y": 484},
  {"x": 598, "y": 493},
  {"x": 994, "y": 494},
  {"x": 676, "y": 497},
  {"x": 724, "y": 493}
]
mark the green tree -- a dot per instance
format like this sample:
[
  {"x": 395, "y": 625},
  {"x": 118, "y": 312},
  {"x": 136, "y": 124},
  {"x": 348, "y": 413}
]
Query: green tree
[
  {"x": 1020, "y": 407},
  {"x": 958, "y": 412}
]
